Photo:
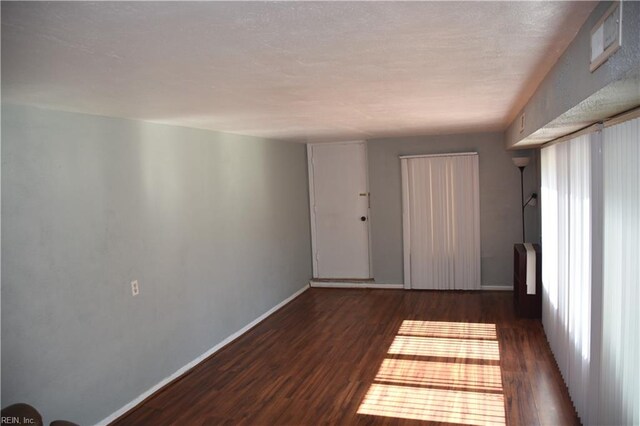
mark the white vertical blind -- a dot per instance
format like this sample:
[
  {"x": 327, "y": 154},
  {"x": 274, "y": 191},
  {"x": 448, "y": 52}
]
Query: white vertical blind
[
  {"x": 566, "y": 261},
  {"x": 619, "y": 387},
  {"x": 590, "y": 206},
  {"x": 442, "y": 222}
]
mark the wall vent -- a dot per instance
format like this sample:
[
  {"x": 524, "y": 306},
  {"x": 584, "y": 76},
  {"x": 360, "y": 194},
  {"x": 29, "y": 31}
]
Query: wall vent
[{"x": 606, "y": 36}]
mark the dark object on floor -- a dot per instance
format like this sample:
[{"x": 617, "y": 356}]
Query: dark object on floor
[{"x": 24, "y": 413}]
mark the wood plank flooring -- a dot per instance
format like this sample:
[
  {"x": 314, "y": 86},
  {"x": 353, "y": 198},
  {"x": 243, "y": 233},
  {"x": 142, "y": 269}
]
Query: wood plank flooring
[{"x": 342, "y": 356}]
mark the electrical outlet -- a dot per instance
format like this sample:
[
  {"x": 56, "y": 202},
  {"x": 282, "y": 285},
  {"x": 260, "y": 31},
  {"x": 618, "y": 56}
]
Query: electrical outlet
[{"x": 135, "y": 288}]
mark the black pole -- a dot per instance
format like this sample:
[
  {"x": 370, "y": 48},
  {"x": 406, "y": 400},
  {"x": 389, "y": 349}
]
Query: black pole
[{"x": 522, "y": 198}]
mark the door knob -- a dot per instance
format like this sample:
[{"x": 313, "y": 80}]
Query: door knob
[{"x": 363, "y": 218}]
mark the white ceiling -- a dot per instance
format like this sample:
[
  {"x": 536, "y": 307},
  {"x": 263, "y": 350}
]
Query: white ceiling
[{"x": 301, "y": 71}]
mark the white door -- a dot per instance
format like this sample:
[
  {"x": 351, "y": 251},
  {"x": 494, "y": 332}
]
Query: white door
[{"x": 339, "y": 210}]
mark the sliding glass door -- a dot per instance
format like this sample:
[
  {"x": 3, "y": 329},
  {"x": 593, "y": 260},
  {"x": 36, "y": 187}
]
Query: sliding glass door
[
  {"x": 566, "y": 259},
  {"x": 441, "y": 221},
  {"x": 620, "y": 349},
  {"x": 590, "y": 205}
]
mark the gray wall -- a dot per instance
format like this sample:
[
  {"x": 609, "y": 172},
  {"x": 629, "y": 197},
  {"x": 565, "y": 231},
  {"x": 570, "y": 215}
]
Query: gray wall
[
  {"x": 500, "y": 219},
  {"x": 570, "y": 82},
  {"x": 214, "y": 226}
]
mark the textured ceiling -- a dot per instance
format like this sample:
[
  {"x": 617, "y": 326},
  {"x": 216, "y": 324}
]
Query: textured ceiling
[{"x": 294, "y": 70}]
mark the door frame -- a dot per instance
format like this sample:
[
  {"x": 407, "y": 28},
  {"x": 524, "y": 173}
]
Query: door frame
[
  {"x": 406, "y": 219},
  {"x": 312, "y": 212}
]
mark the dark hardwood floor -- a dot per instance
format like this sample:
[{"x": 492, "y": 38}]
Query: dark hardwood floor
[{"x": 342, "y": 356}]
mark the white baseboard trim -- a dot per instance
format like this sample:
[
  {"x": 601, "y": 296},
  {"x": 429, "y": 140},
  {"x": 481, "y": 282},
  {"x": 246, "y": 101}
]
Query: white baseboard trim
[
  {"x": 198, "y": 360},
  {"x": 322, "y": 284},
  {"x": 496, "y": 287}
]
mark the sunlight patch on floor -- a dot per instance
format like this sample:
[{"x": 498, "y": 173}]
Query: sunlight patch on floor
[
  {"x": 440, "y": 372},
  {"x": 445, "y": 347},
  {"x": 448, "y": 329},
  {"x": 436, "y": 405}
]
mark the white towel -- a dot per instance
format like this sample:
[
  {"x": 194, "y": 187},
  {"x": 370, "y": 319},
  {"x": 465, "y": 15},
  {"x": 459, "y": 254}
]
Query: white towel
[{"x": 531, "y": 268}]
